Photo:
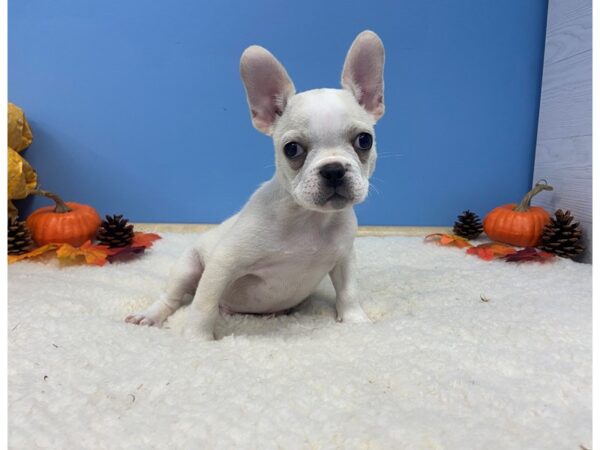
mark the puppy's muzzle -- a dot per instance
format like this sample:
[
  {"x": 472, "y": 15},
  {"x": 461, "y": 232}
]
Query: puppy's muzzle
[{"x": 333, "y": 174}]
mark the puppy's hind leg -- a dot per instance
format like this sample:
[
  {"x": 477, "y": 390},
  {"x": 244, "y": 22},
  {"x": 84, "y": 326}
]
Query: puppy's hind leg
[{"x": 182, "y": 284}]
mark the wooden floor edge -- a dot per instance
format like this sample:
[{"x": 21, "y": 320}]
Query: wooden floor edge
[{"x": 362, "y": 231}]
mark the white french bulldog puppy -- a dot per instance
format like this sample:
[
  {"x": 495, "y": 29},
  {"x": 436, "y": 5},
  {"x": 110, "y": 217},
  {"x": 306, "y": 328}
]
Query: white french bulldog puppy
[{"x": 300, "y": 225}]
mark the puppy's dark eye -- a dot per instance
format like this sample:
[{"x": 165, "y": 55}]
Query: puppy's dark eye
[
  {"x": 364, "y": 142},
  {"x": 293, "y": 150}
]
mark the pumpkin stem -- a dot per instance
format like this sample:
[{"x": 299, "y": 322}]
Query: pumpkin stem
[
  {"x": 61, "y": 206},
  {"x": 540, "y": 186}
]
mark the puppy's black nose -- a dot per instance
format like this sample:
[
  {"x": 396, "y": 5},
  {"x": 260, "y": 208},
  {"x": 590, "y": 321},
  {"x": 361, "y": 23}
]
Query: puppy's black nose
[{"x": 333, "y": 173}]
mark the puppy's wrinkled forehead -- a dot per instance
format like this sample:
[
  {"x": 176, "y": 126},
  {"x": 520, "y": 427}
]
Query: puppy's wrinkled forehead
[{"x": 323, "y": 114}]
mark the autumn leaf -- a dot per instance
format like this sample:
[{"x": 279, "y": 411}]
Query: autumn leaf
[
  {"x": 124, "y": 252},
  {"x": 140, "y": 242},
  {"x": 145, "y": 240},
  {"x": 483, "y": 253},
  {"x": 92, "y": 254},
  {"x": 491, "y": 250},
  {"x": 529, "y": 254},
  {"x": 448, "y": 240},
  {"x": 18, "y": 131},
  {"x": 33, "y": 253}
]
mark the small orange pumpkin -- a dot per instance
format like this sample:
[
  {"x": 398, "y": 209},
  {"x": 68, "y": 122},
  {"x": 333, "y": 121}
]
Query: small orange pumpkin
[
  {"x": 69, "y": 223},
  {"x": 521, "y": 225}
]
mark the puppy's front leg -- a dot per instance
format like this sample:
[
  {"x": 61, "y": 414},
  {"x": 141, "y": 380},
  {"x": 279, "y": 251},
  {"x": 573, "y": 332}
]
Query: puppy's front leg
[
  {"x": 347, "y": 297},
  {"x": 183, "y": 281},
  {"x": 204, "y": 310}
]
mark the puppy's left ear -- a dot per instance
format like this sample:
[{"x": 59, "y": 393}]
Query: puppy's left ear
[{"x": 363, "y": 72}]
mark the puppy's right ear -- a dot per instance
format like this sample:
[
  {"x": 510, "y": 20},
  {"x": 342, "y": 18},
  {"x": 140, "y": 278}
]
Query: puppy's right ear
[{"x": 268, "y": 86}]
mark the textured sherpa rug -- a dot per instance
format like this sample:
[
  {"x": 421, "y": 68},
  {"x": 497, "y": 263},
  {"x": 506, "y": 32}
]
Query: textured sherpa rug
[{"x": 438, "y": 368}]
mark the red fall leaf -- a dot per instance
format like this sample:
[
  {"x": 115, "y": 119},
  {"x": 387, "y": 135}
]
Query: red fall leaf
[
  {"x": 529, "y": 254},
  {"x": 145, "y": 240},
  {"x": 491, "y": 250}
]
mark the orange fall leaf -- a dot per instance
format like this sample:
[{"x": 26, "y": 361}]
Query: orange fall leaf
[
  {"x": 33, "y": 253},
  {"x": 92, "y": 254},
  {"x": 89, "y": 253},
  {"x": 448, "y": 240}
]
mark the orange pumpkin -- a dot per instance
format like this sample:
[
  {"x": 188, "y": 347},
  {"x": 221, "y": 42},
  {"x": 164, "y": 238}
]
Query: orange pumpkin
[
  {"x": 521, "y": 225},
  {"x": 70, "y": 222}
]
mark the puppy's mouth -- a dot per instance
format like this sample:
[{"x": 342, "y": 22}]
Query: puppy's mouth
[{"x": 338, "y": 199}]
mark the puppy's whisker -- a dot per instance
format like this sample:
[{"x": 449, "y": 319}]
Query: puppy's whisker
[
  {"x": 389, "y": 156},
  {"x": 374, "y": 188}
]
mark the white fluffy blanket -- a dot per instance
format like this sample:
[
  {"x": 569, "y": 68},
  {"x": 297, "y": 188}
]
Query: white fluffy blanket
[{"x": 438, "y": 368}]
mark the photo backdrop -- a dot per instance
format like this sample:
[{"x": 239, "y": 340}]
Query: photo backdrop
[{"x": 138, "y": 108}]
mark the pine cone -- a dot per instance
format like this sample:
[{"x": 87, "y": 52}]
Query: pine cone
[
  {"x": 561, "y": 236},
  {"x": 115, "y": 231},
  {"x": 468, "y": 225},
  {"x": 19, "y": 238}
]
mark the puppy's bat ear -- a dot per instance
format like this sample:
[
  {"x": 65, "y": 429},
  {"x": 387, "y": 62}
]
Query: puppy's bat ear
[
  {"x": 363, "y": 72},
  {"x": 268, "y": 86}
]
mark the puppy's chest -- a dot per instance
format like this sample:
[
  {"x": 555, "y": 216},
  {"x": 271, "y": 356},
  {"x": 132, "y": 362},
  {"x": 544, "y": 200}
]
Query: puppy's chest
[{"x": 303, "y": 254}]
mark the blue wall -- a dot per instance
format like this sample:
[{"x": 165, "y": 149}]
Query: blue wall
[{"x": 137, "y": 107}]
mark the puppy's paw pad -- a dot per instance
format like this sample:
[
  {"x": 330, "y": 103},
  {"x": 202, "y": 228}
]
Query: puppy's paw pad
[
  {"x": 147, "y": 321},
  {"x": 133, "y": 318},
  {"x": 140, "y": 319}
]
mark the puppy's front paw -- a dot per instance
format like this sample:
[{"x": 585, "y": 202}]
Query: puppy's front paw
[
  {"x": 153, "y": 316},
  {"x": 200, "y": 324},
  {"x": 142, "y": 319},
  {"x": 353, "y": 315},
  {"x": 199, "y": 333}
]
